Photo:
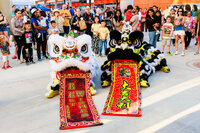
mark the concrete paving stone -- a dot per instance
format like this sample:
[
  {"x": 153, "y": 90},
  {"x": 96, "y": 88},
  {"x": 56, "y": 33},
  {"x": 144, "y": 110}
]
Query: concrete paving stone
[{"x": 24, "y": 109}]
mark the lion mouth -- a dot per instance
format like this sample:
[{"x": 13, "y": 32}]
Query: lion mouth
[
  {"x": 69, "y": 63},
  {"x": 70, "y": 47}
]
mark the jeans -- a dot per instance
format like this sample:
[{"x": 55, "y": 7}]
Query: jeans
[
  {"x": 101, "y": 43},
  {"x": 153, "y": 38},
  {"x": 144, "y": 26},
  {"x": 41, "y": 41}
]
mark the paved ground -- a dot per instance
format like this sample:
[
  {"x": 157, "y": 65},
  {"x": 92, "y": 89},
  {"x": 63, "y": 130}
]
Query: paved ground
[{"x": 171, "y": 104}]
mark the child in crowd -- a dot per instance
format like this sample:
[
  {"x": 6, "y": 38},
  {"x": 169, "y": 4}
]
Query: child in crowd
[
  {"x": 53, "y": 29},
  {"x": 43, "y": 19},
  {"x": 95, "y": 39},
  {"x": 103, "y": 34},
  {"x": 198, "y": 38},
  {"x": 27, "y": 39},
  {"x": 4, "y": 46},
  {"x": 129, "y": 13},
  {"x": 167, "y": 32},
  {"x": 157, "y": 25}
]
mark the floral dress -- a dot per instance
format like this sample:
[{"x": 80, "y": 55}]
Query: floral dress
[
  {"x": 5, "y": 49},
  {"x": 189, "y": 24}
]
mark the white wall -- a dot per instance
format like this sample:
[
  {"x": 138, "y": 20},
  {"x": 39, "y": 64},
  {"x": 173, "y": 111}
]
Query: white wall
[{"x": 23, "y": 2}]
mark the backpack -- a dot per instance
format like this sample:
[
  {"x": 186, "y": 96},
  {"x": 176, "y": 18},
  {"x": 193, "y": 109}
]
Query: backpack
[{"x": 109, "y": 24}]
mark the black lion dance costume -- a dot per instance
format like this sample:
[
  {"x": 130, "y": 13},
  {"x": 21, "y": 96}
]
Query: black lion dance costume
[{"x": 129, "y": 45}]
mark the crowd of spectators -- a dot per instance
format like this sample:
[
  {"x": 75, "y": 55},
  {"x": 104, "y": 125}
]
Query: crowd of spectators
[{"x": 29, "y": 28}]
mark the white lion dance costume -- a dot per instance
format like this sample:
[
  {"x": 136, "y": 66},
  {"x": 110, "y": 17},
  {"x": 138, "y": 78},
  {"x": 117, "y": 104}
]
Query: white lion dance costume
[{"x": 70, "y": 53}]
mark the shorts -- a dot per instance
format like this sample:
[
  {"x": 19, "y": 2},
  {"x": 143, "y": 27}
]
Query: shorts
[
  {"x": 179, "y": 32},
  {"x": 166, "y": 42},
  {"x": 3, "y": 28},
  {"x": 5, "y": 58},
  {"x": 198, "y": 38}
]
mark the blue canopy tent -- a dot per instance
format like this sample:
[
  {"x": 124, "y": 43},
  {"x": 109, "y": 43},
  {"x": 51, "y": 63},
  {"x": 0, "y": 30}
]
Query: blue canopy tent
[{"x": 43, "y": 8}]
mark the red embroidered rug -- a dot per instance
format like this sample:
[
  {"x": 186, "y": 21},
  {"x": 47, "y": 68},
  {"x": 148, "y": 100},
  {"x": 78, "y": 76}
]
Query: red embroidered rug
[
  {"x": 124, "y": 98},
  {"x": 76, "y": 105}
]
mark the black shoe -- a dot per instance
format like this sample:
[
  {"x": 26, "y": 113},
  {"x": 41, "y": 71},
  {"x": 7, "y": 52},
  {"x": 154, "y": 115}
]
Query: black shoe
[
  {"x": 32, "y": 62},
  {"x": 46, "y": 57}
]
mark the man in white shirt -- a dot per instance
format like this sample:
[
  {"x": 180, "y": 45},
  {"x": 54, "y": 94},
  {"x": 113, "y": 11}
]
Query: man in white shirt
[
  {"x": 135, "y": 19},
  {"x": 166, "y": 13}
]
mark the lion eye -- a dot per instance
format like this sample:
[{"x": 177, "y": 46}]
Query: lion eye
[
  {"x": 120, "y": 41},
  {"x": 56, "y": 49},
  {"x": 137, "y": 44},
  {"x": 84, "y": 49},
  {"x": 129, "y": 43}
]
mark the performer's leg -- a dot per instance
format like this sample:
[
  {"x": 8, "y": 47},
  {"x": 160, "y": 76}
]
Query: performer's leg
[
  {"x": 106, "y": 79},
  {"x": 53, "y": 87},
  {"x": 106, "y": 76},
  {"x": 92, "y": 90}
]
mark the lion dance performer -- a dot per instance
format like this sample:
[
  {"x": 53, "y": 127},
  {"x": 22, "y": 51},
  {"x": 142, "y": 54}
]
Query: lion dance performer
[
  {"x": 69, "y": 53},
  {"x": 129, "y": 45}
]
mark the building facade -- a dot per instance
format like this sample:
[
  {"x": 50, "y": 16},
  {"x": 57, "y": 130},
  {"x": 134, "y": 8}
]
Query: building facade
[{"x": 163, "y": 3}]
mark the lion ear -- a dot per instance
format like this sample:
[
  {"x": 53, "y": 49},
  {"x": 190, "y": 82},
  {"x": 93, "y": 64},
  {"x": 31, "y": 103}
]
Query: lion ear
[
  {"x": 115, "y": 35},
  {"x": 136, "y": 35}
]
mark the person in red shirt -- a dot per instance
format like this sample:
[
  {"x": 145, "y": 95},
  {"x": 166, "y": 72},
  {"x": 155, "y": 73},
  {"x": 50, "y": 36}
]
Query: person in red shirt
[
  {"x": 129, "y": 13},
  {"x": 144, "y": 26}
]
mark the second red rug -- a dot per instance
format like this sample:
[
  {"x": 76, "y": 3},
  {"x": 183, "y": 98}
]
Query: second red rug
[{"x": 124, "y": 98}]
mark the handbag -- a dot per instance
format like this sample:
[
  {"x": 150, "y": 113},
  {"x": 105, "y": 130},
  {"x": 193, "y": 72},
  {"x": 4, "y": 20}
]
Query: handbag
[{"x": 82, "y": 25}]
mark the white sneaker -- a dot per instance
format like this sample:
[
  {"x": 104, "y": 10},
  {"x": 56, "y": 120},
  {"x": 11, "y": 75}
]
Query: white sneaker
[
  {"x": 176, "y": 53},
  {"x": 196, "y": 53},
  {"x": 183, "y": 53}
]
